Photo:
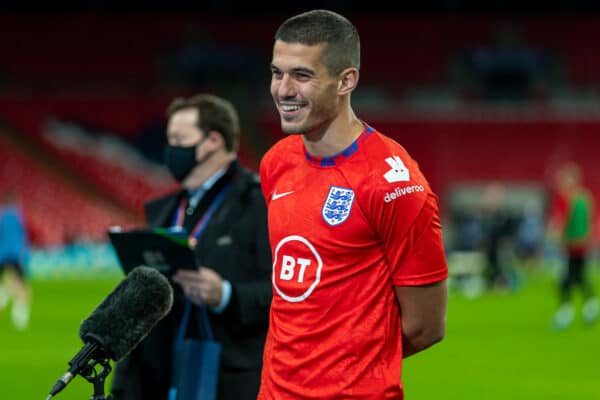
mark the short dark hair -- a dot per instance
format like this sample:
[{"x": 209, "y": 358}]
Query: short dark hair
[
  {"x": 214, "y": 114},
  {"x": 325, "y": 27}
]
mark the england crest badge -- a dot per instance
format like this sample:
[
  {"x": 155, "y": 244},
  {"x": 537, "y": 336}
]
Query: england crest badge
[{"x": 338, "y": 205}]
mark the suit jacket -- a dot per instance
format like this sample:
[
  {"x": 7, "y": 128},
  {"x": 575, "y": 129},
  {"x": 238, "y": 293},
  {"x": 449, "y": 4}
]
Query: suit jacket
[{"x": 235, "y": 244}]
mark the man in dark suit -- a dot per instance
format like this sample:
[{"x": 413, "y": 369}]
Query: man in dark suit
[{"x": 233, "y": 275}]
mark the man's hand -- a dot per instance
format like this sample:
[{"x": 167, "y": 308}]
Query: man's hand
[{"x": 203, "y": 286}]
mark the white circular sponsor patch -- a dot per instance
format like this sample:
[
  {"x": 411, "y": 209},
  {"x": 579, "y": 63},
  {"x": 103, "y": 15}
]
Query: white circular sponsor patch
[{"x": 296, "y": 268}]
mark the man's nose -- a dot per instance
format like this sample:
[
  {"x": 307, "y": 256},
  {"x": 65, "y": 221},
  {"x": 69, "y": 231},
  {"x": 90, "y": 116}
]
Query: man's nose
[{"x": 286, "y": 88}]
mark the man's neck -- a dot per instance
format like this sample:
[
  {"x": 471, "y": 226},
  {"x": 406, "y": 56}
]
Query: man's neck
[
  {"x": 335, "y": 137},
  {"x": 205, "y": 171}
]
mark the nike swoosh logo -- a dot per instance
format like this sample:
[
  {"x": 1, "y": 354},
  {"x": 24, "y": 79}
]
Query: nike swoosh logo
[{"x": 280, "y": 195}]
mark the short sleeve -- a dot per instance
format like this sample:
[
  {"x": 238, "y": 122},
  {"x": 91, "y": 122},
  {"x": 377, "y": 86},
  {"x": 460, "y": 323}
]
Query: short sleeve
[{"x": 416, "y": 254}]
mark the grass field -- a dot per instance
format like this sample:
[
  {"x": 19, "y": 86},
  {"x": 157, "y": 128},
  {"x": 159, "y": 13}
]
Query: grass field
[
  {"x": 499, "y": 346},
  {"x": 32, "y": 361}
]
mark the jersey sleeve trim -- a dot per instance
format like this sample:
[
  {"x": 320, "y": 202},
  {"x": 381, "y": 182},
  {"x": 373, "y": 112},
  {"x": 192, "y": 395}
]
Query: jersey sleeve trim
[{"x": 421, "y": 280}]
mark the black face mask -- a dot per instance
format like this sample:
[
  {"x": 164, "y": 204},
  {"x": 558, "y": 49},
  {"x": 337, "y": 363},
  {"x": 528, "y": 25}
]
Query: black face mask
[{"x": 180, "y": 160}]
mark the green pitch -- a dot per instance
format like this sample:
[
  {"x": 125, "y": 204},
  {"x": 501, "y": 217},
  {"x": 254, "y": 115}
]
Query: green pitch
[
  {"x": 32, "y": 361},
  {"x": 499, "y": 346},
  {"x": 502, "y": 346}
]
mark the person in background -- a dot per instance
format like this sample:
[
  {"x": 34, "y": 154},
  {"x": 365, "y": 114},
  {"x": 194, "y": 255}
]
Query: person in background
[
  {"x": 530, "y": 235},
  {"x": 497, "y": 226},
  {"x": 572, "y": 223},
  {"x": 359, "y": 270},
  {"x": 233, "y": 275},
  {"x": 14, "y": 252}
]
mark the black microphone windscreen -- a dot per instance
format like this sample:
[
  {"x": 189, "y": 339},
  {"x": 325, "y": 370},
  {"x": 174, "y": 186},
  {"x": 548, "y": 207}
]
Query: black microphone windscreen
[{"x": 129, "y": 312}]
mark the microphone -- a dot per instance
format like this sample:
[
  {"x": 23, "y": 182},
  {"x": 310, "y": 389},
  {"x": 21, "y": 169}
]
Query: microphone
[{"x": 120, "y": 322}]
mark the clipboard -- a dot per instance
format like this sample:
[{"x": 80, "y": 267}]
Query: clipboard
[{"x": 165, "y": 250}]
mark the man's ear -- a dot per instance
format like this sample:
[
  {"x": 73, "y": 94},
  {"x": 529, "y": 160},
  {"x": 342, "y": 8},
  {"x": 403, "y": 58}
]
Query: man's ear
[
  {"x": 215, "y": 140},
  {"x": 348, "y": 81}
]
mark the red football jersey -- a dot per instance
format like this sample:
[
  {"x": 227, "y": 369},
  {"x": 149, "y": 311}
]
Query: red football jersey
[{"x": 344, "y": 230}]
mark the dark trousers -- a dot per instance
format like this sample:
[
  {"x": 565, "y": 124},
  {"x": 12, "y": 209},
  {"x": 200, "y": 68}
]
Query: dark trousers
[
  {"x": 575, "y": 276},
  {"x": 239, "y": 385},
  {"x": 233, "y": 385}
]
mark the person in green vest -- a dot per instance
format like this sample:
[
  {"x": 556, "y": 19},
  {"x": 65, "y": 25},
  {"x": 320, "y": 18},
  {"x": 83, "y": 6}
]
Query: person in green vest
[{"x": 573, "y": 221}]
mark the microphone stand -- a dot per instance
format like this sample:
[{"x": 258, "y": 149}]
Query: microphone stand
[{"x": 97, "y": 378}]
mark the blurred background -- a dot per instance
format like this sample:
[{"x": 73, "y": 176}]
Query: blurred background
[{"x": 491, "y": 98}]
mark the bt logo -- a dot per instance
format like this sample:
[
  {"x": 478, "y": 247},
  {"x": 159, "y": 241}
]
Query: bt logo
[
  {"x": 296, "y": 268},
  {"x": 288, "y": 268}
]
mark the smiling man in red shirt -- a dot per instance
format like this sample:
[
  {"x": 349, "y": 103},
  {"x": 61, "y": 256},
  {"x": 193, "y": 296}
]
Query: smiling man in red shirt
[{"x": 359, "y": 271}]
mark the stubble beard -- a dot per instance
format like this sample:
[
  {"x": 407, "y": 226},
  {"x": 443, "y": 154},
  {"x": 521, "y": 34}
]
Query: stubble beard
[{"x": 313, "y": 123}]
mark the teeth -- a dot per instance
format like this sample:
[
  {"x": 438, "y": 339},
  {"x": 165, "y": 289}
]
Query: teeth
[{"x": 290, "y": 108}]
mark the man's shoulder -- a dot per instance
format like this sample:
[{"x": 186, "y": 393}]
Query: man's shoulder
[
  {"x": 156, "y": 205},
  {"x": 248, "y": 179},
  {"x": 161, "y": 200},
  {"x": 284, "y": 155},
  {"x": 389, "y": 164},
  {"x": 282, "y": 149},
  {"x": 384, "y": 146}
]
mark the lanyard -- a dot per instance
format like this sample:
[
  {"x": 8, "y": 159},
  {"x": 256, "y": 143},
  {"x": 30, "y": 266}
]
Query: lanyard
[
  {"x": 201, "y": 224},
  {"x": 204, "y": 323}
]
